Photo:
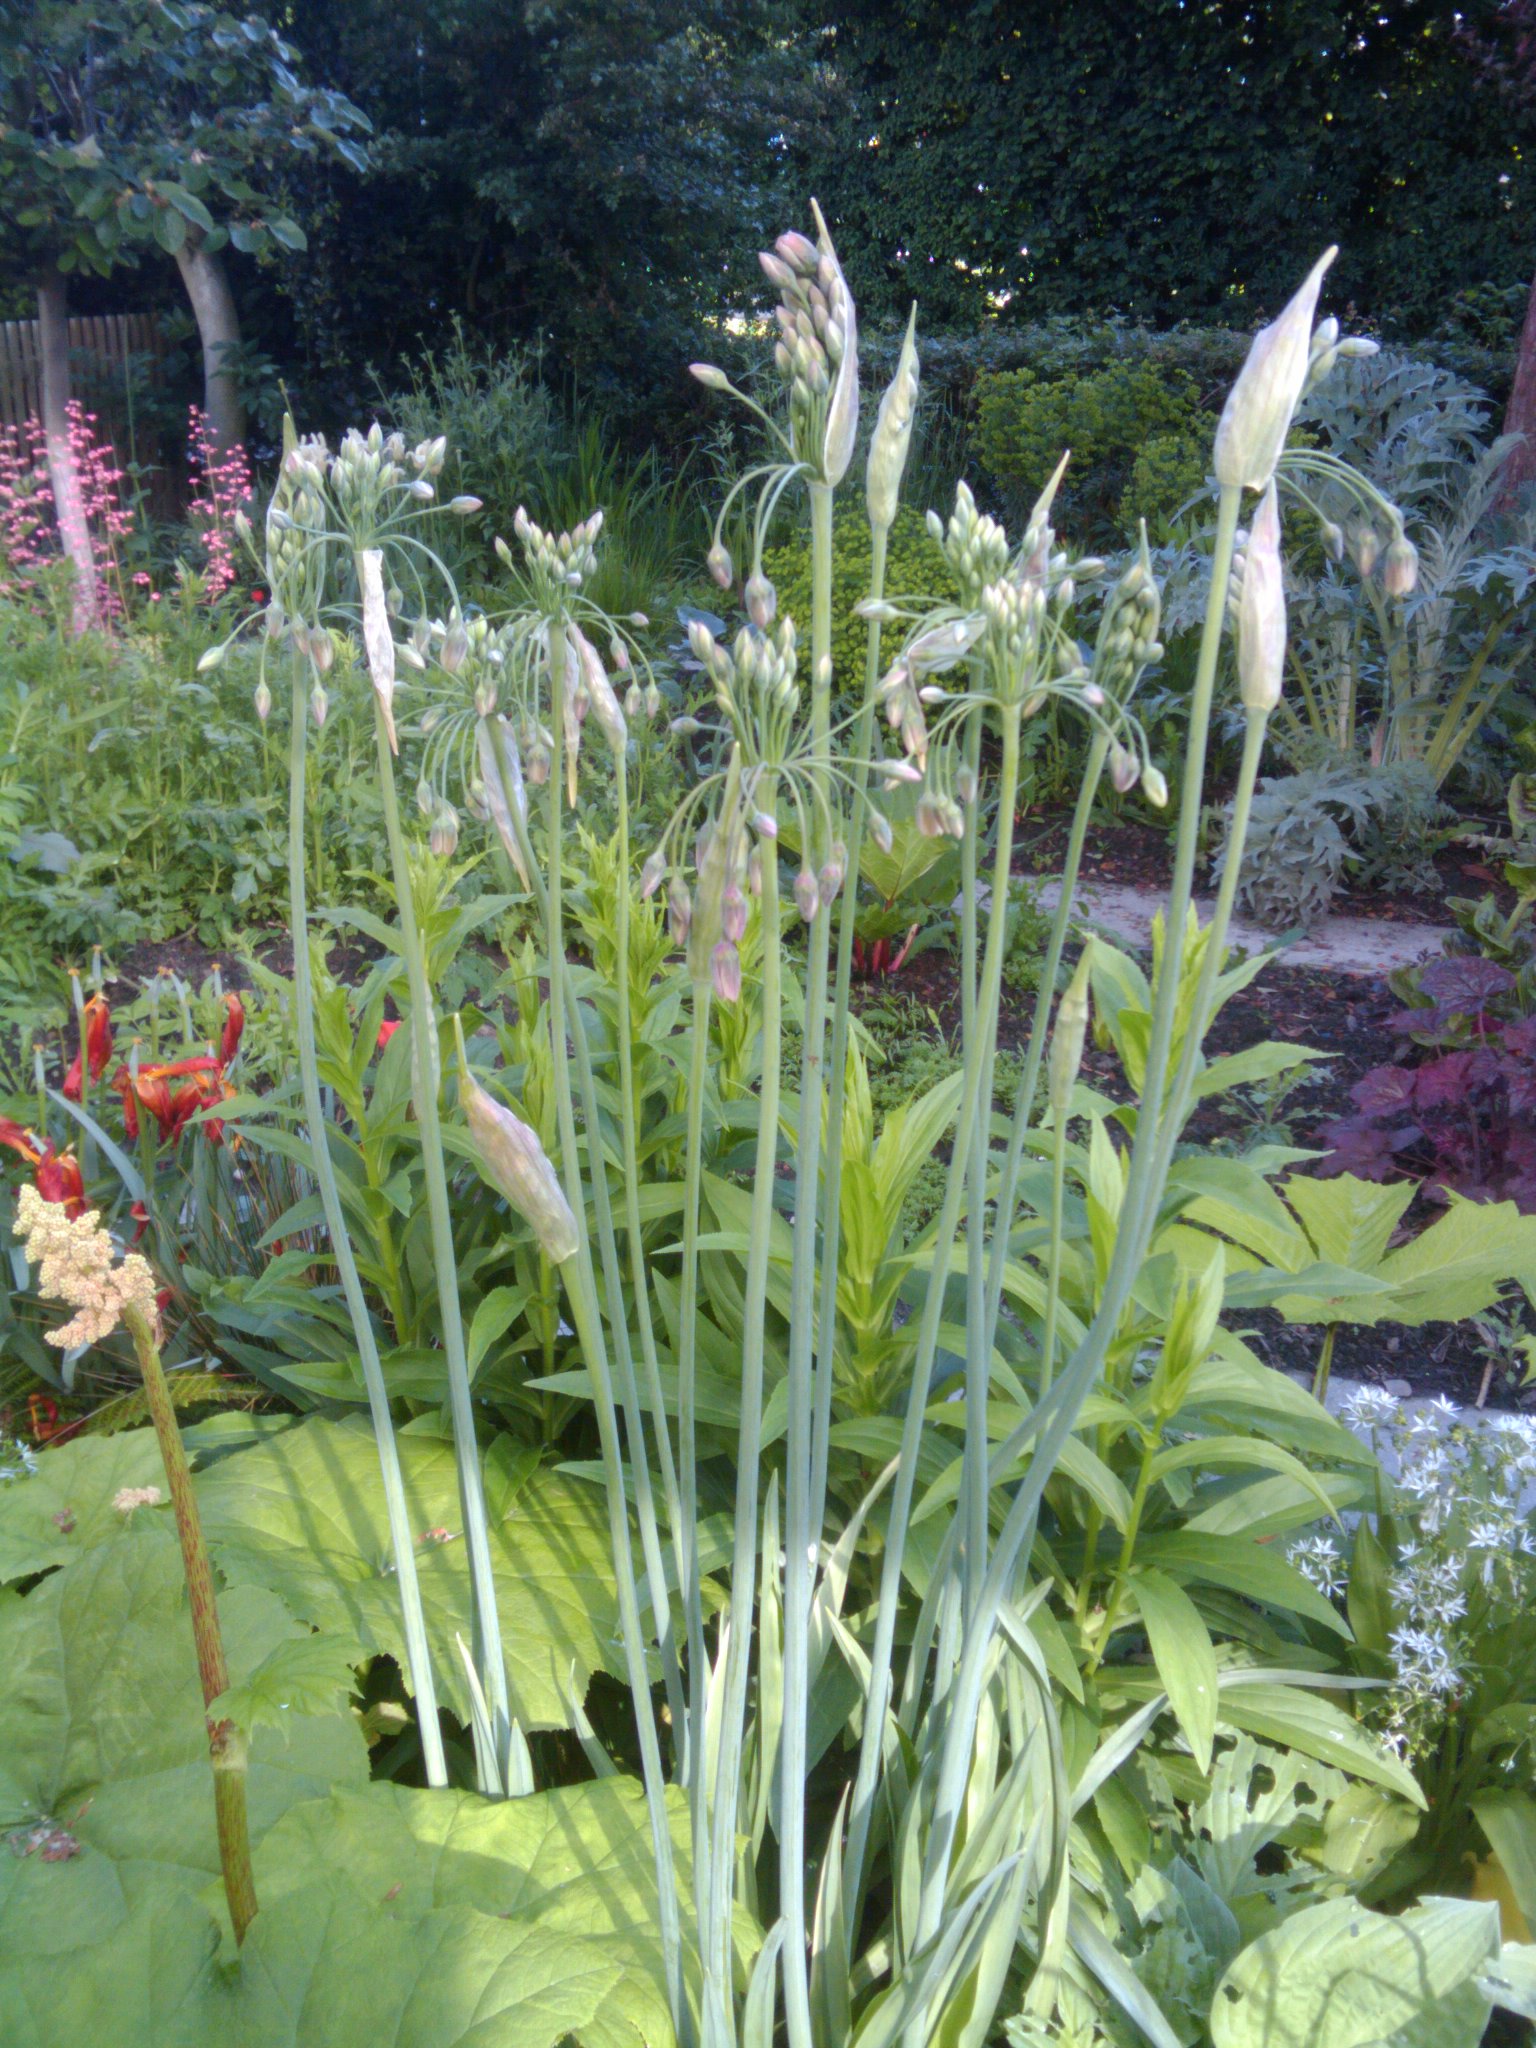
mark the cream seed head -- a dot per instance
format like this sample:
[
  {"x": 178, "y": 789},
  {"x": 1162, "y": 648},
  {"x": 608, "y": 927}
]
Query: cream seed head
[{"x": 76, "y": 1266}]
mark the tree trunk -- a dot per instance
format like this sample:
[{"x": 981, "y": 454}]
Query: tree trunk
[
  {"x": 1520, "y": 416},
  {"x": 218, "y": 324},
  {"x": 63, "y": 474}
]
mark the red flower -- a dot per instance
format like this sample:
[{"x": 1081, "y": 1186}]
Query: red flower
[
  {"x": 151, "y": 1089},
  {"x": 58, "y": 1175},
  {"x": 59, "y": 1179},
  {"x": 20, "y": 1140},
  {"x": 234, "y": 1024},
  {"x": 387, "y": 1031},
  {"x": 96, "y": 1045}
]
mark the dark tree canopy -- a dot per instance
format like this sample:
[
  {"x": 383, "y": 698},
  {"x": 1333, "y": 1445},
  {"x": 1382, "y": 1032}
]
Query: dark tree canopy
[{"x": 585, "y": 172}]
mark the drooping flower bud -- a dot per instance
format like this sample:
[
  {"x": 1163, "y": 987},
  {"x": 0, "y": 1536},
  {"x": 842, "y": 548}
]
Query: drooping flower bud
[
  {"x": 1261, "y": 611},
  {"x": 1071, "y": 1033},
  {"x": 711, "y": 378},
  {"x": 378, "y": 640},
  {"x": 725, "y": 971},
  {"x": 509, "y": 1156},
  {"x": 263, "y": 701},
  {"x": 718, "y": 562},
  {"x": 1154, "y": 786},
  {"x": 762, "y": 600},
  {"x": 443, "y": 838},
  {"x": 1400, "y": 569},
  {"x": 1123, "y": 769},
  {"x": 807, "y": 894},
  {"x": 1257, "y": 415},
  {"x": 497, "y": 792},
  {"x": 733, "y": 917},
  {"x": 606, "y": 708},
  {"x": 319, "y": 704}
]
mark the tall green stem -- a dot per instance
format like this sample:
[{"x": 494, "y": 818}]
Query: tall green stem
[
  {"x": 613, "y": 1283},
  {"x": 716, "y": 1935},
  {"x": 226, "y": 1742},
  {"x": 837, "y": 1057},
  {"x": 861, "y": 1809},
  {"x": 687, "y": 1426},
  {"x": 1029, "y": 1080},
  {"x": 489, "y": 1660},
  {"x": 800, "y": 1537},
  {"x": 417, "y": 1655},
  {"x": 586, "y": 1314},
  {"x": 1057, "y": 1414},
  {"x": 973, "y": 1485}
]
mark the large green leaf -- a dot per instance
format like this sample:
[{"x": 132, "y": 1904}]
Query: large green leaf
[
  {"x": 66, "y": 1506},
  {"x": 578, "y": 1859},
  {"x": 1349, "y": 1221},
  {"x": 304, "y": 1515},
  {"x": 1302, "y": 1720},
  {"x": 1337, "y": 1976},
  {"x": 1508, "y": 1819},
  {"x": 325, "y": 1965},
  {"x": 103, "y": 1738},
  {"x": 1457, "y": 1267}
]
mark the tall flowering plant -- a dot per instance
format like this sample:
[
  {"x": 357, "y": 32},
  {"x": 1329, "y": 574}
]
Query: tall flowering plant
[{"x": 895, "y": 1909}]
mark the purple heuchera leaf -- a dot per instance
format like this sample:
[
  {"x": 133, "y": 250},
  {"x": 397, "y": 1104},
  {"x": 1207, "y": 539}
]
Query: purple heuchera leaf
[
  {"x": 1385, "y": 1091},
  {"x": 1465, "y": 985},
  {"x": 1450, "y": 1082},
  {"x": 1363, "y": 1148}
]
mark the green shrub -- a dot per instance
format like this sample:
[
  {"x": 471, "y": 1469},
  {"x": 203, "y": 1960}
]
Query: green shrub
[
  {"x": 914, "y": 566},
  {"x": 1130, "y": 426}
]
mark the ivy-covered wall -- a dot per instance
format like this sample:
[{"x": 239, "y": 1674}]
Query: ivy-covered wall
[{"x": 1171, "y": 159}]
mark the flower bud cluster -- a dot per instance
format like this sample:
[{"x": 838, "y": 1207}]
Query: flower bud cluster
[
  {"x": 974, "y": 544},
  {"x": 754, "y": 679},
  {"x": 1128, "y": 629},
  {"x": 559, "y": 558},
  {"x": 817, "y": 350}
]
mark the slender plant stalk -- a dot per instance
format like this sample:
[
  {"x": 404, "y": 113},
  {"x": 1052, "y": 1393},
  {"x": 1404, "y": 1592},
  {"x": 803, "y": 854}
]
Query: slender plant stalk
[
  {"x": 623, "y": 1355},
  {"x": 877, "y": 1700},
  {"x": 226, "y": 1742},
  {"x": 586, "y": 1314},
  {"x": 687, "y": 1427},
  {"x": 837, "y": 1057},
  {"x": 489, "y": 1659},
  {"x": 800, "y": 1536},
  {"x": 973, "y": 1482},
  {"x": 1029, "y": 1080},
  {"x": 418, "y": 1656},
  {"x": 715, "y": 1938},
  {"x": 628, "y": 1116},
  {"x": 1055, "y": 1417}
]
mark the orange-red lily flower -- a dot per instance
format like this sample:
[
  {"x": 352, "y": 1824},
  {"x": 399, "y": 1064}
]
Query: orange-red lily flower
[
  {"x": 20, "y": 1139},
  {"x": 150, "y": 1088},
  {"x": 387, "y": 1031},
  {"x": 234, "y": 1024},
  {"x": 95, "y": 1045},
  {"x": 58, "y": 1174},
  {"x": 59, "y": 1179}
]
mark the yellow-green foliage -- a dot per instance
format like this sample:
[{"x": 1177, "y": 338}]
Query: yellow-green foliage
[
  {"x": 1132, "y": 429},
  {"x": 914, "y": 566}
]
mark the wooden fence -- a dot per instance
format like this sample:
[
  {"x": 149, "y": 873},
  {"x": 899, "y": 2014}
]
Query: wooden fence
[{"x": 101, "y": 345}]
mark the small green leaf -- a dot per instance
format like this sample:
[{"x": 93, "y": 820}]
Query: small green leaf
[{"x": 1184, "y": 1655}]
